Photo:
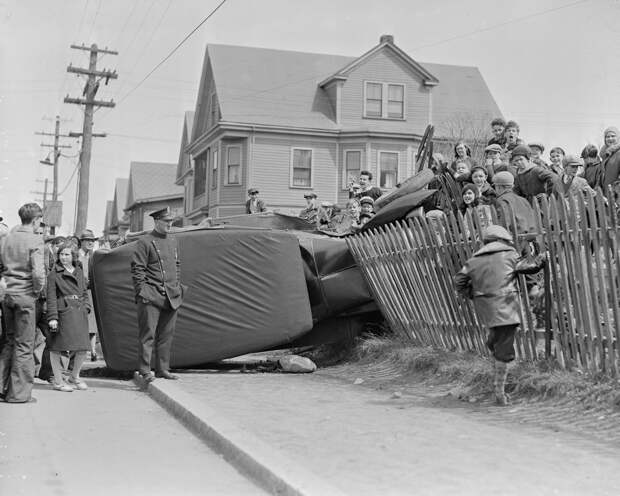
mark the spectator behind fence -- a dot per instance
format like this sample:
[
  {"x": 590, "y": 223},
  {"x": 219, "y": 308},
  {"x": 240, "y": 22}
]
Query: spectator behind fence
[
  {"x": 498, "y": 127},
  {"x": 556, "y": 155},
  {"x": 366, "y": 187},
  {"x": 488, "y": 278},
  {"x": 592, "y": 168},
  {"x": 573, "y": 184},
  {"x": 493, "y": 159},
  {"x": 462, "y": 172},
  {"x": 508, "y": 203},
  {"x": 537, "y": 149},
  {"x": 532, "y": 180},
  {"x": 512, "y": 138},
  {"x": 23, "y": 269},
  {"x": 610, "y": 155},
  {"x": 480, "y": 179},
  {"x": 462, "y": 153}
]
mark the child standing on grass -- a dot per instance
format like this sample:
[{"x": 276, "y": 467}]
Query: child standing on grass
[{"x": 489, "y": 279}]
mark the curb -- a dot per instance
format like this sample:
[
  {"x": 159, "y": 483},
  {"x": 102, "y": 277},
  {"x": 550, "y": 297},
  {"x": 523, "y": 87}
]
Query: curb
[{"x": 265, "y": 465}]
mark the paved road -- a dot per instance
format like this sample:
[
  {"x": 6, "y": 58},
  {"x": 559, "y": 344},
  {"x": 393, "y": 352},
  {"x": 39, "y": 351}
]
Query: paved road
[
  {"x": 109, "y": 440},
  {"x": 366, "y": 442}
]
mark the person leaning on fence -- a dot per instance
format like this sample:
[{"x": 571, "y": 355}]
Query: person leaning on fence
[
  {"x": 610, "y": 155},
  {"x": 489, "y": 279},
  {"x": 532, "y": 180}
]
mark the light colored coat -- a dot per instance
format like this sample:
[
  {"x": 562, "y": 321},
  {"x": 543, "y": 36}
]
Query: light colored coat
[{"x": 21, "y": 262}]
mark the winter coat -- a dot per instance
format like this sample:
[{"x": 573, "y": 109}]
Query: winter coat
[
  {"x": 611, "y": 165},
  {"x": 68, "y": 303},
  {"x": 487, "y": 194},
  {"x": 535, "y": 181},
  {"x": 156, "y": 270},
  {"x": 593, "y": 173},
  {"x": 525, "y": 216},
  {"x": 575, "y": 186},
  {"x": 488, "y": 278}
]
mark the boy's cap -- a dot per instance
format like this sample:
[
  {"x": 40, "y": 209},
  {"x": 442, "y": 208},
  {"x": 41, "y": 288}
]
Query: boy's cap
[
  {"x": 503, "y": 178},
  {"x": 493, "y": 148},
  {"x": 495, "y": 232},
  {"x": 521, "y": 151},
  {"x": 309, "y": 195}
]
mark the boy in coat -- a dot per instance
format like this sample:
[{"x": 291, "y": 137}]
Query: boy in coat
[{"x": 488, "y": 278}]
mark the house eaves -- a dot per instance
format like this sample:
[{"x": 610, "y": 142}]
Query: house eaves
[{"x": 142, "y": 201}]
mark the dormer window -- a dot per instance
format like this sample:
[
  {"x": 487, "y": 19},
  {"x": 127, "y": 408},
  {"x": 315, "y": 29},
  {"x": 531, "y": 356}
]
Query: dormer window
[{"x": 384, "y": 100}]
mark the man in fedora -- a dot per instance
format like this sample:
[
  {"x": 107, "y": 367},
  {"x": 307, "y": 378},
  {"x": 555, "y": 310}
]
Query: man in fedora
[
  {"x": 156, "y": 274},
  {"x": 254, "y": 205},
  {"x": 85, "y": 253}
]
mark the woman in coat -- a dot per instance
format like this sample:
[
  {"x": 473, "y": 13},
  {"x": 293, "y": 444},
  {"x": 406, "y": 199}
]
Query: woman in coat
[
  {"x": 67, "y": 315},
  {"x": 488, "y": 278}
]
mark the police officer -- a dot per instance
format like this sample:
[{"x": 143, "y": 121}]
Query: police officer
[{"x": 155, "y": 270}]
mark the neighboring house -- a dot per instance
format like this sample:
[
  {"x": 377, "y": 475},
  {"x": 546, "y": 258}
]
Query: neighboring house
[
  {"x": 289, "y": 122},
  {"x": 151, "y": 187},
  {"x": 119, "y": 222},
  {"x": 109, "y": 205},
  {"x": 185, "y": 172}
]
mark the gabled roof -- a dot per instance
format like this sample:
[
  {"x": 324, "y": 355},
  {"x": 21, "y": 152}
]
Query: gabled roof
[
  {"x": 184, "y": 163},
  {"x": 120, "y": 200},
  {"x": 282, "y": 88},
  {"x": 151, "y": 181},
  {"x": 109, "y": 206},
  {"x": 273, "y": 87},
  {"x": 387, "y": 42}
]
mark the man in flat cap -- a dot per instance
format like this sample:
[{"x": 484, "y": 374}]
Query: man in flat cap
[
  {"x": 156, "y": 273},
  {"x": 532, "y": 180},
  {"x": 254, "y": 205}
]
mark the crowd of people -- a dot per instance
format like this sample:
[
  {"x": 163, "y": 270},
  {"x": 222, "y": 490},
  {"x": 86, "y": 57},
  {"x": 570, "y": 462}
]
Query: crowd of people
[{"x": 48, "y": 326}]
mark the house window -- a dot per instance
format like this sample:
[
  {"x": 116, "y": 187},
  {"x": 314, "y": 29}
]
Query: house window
[
  {"x": 233, "y": 165},
  {"x": 384, "y": 100},
  {"x": 301, "y": 168},
  {"x": 214, "y": 170},
  {"x": 352, "y": 167},
  {"x": 215, "y": 117},
  {"x": 200, "y": 173},
  {"x": 388, "y": 169}
]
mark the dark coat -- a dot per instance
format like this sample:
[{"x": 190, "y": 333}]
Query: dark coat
[
  {"x": 68, "y": 303},
  {"x": 611, "y": 165},
  {"x": 593, "y": 173},
  {"x": 488, "y": 278},
  {"x": 260, "y": 207},
  {"x": 535, "y": 181},
  {"x": 156, "y": 270},
  {"x": 524, "y": 214}
]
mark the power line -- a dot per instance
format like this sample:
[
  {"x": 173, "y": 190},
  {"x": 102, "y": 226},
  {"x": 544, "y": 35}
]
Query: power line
[
  {"x": 173, "y": 51},
  {"x": 499, "y": 25},
  {"x": 77, "y": 166},
  {"x": 92, "y": 28}
]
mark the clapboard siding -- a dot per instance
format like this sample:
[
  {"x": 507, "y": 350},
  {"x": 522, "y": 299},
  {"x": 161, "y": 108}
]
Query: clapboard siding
[
  {"x": 271, "y": 163},
  {"x": 385, "y": 67}
]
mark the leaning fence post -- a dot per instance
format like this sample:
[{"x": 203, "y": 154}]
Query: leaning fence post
[{"x": 548, "y": 304}]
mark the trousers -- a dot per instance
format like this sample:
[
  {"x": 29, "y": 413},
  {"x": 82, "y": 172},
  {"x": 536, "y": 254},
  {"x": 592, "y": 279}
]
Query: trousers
[
  {"x": 156, "y": 327},
  {"x": 17, "y": 355},
  {"x": 501, "y": 342}
]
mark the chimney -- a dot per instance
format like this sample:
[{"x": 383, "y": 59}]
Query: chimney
[{"x": 386, "y": 38}]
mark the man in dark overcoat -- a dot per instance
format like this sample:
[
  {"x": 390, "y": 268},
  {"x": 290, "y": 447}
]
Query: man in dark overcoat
[{"x": 156, "y": 274}]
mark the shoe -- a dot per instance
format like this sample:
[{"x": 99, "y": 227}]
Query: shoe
[
  {"x": 148, "y": 377},
  {"x": 81, "y": 385},
  {"x": 31, "y": 400},
  {"x": 93, "y": 357},
  {"x": 167, "y": 375},
  {"x": 63, "y": 387}
]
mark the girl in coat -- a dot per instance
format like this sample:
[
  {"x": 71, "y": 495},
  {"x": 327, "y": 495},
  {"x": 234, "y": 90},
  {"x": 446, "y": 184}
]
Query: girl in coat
[
  {"x": 489, "y": 279},
  {"x": 67, "y": 314}
]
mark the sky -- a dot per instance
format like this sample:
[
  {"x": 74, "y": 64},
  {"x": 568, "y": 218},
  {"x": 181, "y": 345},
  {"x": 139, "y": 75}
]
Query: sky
[{"x": 552, "y": 65}]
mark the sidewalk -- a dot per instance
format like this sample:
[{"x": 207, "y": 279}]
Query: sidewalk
[
  {"x": 109, "y": 440},
  {"x": 366, "y": 442}
]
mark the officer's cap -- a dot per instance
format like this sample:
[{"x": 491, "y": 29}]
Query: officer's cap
[{"x": 162, "y": 214}]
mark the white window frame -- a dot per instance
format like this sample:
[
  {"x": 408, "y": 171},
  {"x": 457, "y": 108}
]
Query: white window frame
[
  {"x": 345, "y": 182},
  {"x": 384, "y": 101},
  {"x": 226, "y": 183},
  {"x": 215, "y": 173},
  {"x": 398, "y": 165},
  {"x": 291, "y": 168}
]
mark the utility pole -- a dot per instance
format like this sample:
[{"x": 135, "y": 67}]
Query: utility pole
[
  {"x": 57, "y": 148},
  {"x": 89, "y": 102}
]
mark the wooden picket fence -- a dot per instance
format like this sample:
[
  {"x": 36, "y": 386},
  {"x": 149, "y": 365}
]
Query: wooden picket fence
[{"x": 410, "y": 267}]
